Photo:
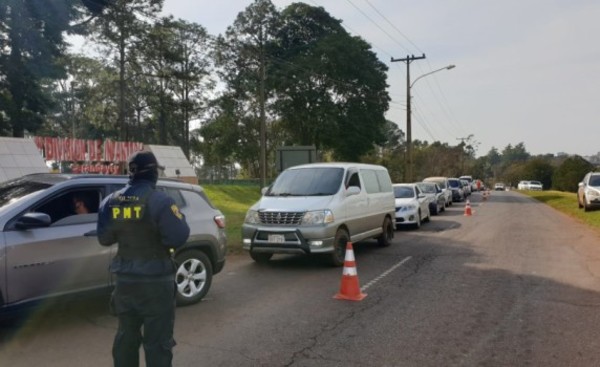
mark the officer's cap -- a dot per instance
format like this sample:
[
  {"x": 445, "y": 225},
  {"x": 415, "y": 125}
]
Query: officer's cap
[{"x": 142, "y": 161}]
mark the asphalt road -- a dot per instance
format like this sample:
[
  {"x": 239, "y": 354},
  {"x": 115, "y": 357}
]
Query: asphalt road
[{"x": 515, "y": 284}]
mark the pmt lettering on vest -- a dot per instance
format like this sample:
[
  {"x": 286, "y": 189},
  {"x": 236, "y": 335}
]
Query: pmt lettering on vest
[{"x": 127, "y": 212}]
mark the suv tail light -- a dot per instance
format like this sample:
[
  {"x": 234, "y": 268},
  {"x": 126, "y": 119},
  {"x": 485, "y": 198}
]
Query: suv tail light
[{"x": 220, "y": 221}]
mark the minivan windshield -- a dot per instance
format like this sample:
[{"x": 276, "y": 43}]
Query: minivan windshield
[
  {"x": 11, "y": 191},
  {"x": 313, "y": 181}
]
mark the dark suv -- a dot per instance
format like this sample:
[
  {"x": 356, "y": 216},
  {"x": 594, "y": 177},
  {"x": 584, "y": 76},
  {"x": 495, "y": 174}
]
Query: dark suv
[{"x": 48, "y": 250}]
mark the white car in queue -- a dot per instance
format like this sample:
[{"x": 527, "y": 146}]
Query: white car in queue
[{"x": 412, "y": 206}]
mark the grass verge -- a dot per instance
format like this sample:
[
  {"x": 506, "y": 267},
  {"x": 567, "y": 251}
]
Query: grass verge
[
  {"x": 566, "y": 202},
  {"x": 233, "y": 201}
]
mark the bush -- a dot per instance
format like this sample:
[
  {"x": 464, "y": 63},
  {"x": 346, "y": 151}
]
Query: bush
[{"x": 570, "y": 172}]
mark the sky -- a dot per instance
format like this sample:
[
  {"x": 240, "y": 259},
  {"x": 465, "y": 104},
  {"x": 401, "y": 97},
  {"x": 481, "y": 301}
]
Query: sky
[{"x": 527, "y": 71}]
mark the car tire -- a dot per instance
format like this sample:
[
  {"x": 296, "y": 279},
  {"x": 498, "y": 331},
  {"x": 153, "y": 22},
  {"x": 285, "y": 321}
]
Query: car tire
[
  {"x": 388, "y": 233},
  {"x": 261, "y": 257},
  {"x": 436, "y": 210},
  {"x": 586, "y": 207},
  {"x": 418, "y": 222},
  {"x": 193, "y": 277},
  {"x": 340, "y": 242}
]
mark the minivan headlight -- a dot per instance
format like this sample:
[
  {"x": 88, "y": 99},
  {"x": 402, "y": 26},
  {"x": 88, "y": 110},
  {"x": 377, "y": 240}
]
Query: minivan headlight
[
  {"x": 318, "y": 217},
  {"x": 252, "y": 217}
]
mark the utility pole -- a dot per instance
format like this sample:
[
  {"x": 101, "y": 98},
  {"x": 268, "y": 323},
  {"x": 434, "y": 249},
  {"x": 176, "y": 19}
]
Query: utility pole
[{"x": 408, "y": 173}]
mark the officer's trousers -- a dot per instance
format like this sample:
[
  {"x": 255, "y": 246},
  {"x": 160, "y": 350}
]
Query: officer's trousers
[{"x": 146, "y": 312}]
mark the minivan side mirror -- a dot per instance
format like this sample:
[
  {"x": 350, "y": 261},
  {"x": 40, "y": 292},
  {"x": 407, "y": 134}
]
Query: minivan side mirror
[
  {"x": 581, "y": 184},
  {"x": 264, "y": 190},
  {"x": 33, "y": 220},
  {"x": 353, "y": 190}
]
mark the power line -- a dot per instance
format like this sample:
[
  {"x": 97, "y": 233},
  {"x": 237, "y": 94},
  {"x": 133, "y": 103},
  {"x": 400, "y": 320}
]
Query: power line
[{"x": 377, "y": 25}]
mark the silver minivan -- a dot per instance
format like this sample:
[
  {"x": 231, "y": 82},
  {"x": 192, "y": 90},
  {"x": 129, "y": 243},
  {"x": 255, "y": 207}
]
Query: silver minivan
[{"x": 317, "y": 208}]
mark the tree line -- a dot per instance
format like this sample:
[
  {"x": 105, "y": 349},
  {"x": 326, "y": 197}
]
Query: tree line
[{"x": 275, "y": 77}]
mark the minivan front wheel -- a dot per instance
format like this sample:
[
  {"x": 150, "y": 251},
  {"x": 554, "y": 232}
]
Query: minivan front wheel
[
  {"x": 339, "y": 247},
  {"x": 388, "y": 233}
]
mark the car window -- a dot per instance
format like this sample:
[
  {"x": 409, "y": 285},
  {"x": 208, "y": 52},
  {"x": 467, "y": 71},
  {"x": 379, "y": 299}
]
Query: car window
[
  {"x": 13, "y": 190},
  {"x": 403, "y": 192},
  {"x": 454, "y": 183},
  {"x": 370, "y": 178},
  {"x": 385, "y": 182},
  {"x": 175, "y": 194},
  {"x": 428, "y": 189},
  {"x": 65, "y": 205},
  {"x": 201, "y": 206},
  {"x": 314, "y": 181},
  {"x": 353, "y": 180},
  {"x": 594, "y": 180}
]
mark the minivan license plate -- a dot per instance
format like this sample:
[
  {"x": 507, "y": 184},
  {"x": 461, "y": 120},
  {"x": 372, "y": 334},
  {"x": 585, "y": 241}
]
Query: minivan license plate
[{"x": 276, "y": 238}]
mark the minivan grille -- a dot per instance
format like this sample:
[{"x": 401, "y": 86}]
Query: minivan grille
[{"x": 280, "y": 217}]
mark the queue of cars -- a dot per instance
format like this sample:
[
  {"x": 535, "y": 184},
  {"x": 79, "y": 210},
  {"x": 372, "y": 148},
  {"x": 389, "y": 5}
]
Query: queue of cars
[{"x": 48, "y": 250}]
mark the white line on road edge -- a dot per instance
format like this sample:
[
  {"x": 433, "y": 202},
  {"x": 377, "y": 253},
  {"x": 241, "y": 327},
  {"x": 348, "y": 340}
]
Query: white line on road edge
[{"x": 385, "y": 273}]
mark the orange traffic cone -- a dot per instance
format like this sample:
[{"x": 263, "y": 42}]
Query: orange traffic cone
[
  {"x": 468, "y": 212},
  {"x": 349, "y": 289}
]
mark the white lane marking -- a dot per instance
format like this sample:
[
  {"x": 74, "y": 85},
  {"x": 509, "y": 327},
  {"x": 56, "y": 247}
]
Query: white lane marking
[{"x": 385, "y": 273}]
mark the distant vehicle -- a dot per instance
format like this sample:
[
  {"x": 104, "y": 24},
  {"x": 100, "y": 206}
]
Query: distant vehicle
[
  {"x": 499, "y": 186},
  {"x": 472, "y": 184},
  {"x": 443, "y": 184},
  {"x": 437, "y": 202},
  {"x": 318, "y": 208},
  {"x": 523, "y": 185},
  {"x": 588, "y": 193},
  {"x": 412, "y": 206},
  {"x": 536, "y": 185},
  {"x": 466, "y": 187},
  {"x": 456, "y": 186}
]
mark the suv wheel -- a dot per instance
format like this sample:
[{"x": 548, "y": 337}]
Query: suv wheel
[
  {"x": 339, "y": 247},
  {"x": 388, "y": 233},
  {"x": 193, "y": 277},
  {"x": 260, "y": 257}
]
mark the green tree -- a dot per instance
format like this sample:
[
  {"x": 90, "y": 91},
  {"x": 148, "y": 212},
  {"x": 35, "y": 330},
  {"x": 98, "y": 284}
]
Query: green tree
[
  {"x": 243, "y": 57},
  {"x": 192, "y": 80},
  {"x": 321, "y": 97},
  {"x": 32, "y": 38},
  {"x": 570, "y": 173},
  {"x": 539, "y": 169},
  {"x": 511, "y": 154},
  {"x": 118, "y": 31}
]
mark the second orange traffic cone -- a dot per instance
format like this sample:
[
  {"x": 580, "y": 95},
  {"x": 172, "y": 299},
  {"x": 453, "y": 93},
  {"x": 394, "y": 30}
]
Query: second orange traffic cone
[
  {"x": 349, "y": 289},
  {"x": 468, "y": 212}
]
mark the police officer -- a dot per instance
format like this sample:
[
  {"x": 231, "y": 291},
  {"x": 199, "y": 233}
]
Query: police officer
[{"x": 147, "y": 225}]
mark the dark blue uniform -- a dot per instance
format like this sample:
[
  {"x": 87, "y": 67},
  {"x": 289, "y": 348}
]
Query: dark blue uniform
[{"x": 146, "y": 224}]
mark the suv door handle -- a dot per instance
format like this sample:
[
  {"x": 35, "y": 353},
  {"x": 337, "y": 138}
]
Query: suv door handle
[{"x": 91, "y": 233}]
